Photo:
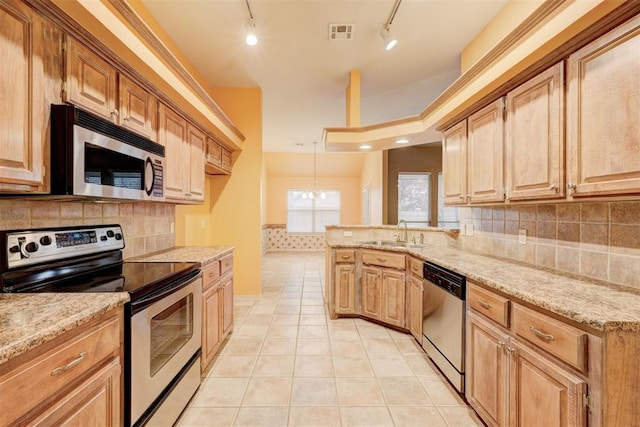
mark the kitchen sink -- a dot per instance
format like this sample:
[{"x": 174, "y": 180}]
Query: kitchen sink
[{"x": 393, "y": 243}]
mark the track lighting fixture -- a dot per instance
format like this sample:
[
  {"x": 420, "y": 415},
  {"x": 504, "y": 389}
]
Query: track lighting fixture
[
  {"x": 251, "y": 38},
  {"x": 389, "y": 41}
]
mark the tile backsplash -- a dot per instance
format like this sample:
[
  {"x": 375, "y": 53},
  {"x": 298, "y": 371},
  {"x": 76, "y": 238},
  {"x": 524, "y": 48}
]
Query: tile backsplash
[
  {"x": 146, "y": 226},
  {"x": 596, "y": 240},
  {"x": 276, "y": 238}
]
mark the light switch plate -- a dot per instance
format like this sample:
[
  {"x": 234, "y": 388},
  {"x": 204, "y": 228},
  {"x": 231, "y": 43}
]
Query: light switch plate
[
  {"x": 522, "y": 237},
  {"x": 173, "y": 227},
  {"x": 347, "y": 233}
]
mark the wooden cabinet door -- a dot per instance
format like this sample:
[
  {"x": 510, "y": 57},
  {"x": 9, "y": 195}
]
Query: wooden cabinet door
[
  {"x": 485, "y": 152},
  {"x": 371, "y": 303},
  {"x": 393, "y": 297},
  {"x": 196, "y": 140},
  {"x": 535, "y": 138},
  {"x": 414, "y": 318},
  {"x": 487, "y": 371},
  {"x": 138, "y": 109},
  {"x": 173, "y": 135},
  {"x": 210, "y": 325},
  {"x": 542, "y": 392},
  {"x": 91, "y": 81},
  {"x": 603, "y": 107},
  {"x": 454, "y": 164},
  {"x": 95, "y": 402},
  {"x": 345, "y": 289},
  {"x": 22, "y": 139},
  {"x": 227, "y": 307}
]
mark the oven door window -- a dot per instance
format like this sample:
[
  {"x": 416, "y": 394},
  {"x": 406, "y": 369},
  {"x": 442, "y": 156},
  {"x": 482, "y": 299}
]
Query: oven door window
[
  {"x": 108, "y": 167},
  {"x": 171, "y": 329}
]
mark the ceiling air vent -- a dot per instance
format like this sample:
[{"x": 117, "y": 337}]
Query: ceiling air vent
[{"x": 341, "y": 31}]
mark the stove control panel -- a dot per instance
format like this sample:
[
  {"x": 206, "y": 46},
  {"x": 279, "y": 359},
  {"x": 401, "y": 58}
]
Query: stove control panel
[{"x": 29, "y": 247}]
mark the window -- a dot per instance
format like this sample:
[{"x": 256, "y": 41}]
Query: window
[
  {"x": 306, "y": 215},
  {"x": 447, "y": 215},
  {"x": 414, "y": 196}
]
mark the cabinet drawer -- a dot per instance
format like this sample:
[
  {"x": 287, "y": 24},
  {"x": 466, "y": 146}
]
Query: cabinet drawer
[
  {"x": 345, "y": 255},
  {"x": 210, "y": 273},
  {"x": 214, "y": 152},
  {"x": 226, "y": 265},
  {"x": 384, "y": 259},
  {"x": 416, "y": 267},
  {"x": 39, "y": 379},
  {"x": 564, "y": 341},
  {"x": 491, "y": 305}
]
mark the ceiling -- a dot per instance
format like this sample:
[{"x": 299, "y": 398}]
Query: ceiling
[{"x": 304, "y": 75}]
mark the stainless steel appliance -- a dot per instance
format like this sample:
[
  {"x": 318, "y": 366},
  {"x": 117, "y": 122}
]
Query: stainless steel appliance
[
  {"x": 443, "y": 319},
  {"x": 162, "y": 319},
  {"x": 92, "y": 157}
]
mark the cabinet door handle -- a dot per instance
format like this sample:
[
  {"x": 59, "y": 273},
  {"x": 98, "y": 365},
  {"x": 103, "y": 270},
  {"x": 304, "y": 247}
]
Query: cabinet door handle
[
  {"x": 345, "y": 257},
  {"x": 541, "y": 334},
  {"x": 484, "y": 304},
  {"x": 115, "y": 113},
  {"x": 554, "y": 187},
  {"x": 414, "y": 268},
  {"x": 62, "y": 369},
  {"x": 382, "y": 259},
  {"x": 500, "y": 344},
  {"x": 510, "y": 350}
]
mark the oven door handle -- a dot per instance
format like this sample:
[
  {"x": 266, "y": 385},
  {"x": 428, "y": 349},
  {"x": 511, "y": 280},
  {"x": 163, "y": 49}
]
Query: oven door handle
[{"x": 142, "y": 303}]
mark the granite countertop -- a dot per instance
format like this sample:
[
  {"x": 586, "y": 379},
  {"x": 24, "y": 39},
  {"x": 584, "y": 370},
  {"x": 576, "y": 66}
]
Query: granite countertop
[
  {"x": 28, "y": 320},
  {"x": 598, "y": 306},
  {"x": 201, "y": 254}
]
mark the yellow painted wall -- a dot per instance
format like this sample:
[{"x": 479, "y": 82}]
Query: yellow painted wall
[
  {"x": 512, "y": 15},
  {"x": 232, "y": 210},
  {"x": 372, "y": 175},
  {"x": 349, "y": 196}
]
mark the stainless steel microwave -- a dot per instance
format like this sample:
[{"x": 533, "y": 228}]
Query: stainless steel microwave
[{"x": 93, "y": 158}]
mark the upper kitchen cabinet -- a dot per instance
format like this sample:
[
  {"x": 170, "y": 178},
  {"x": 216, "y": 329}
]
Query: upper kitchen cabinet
[
  {"x": 485, "y": 142},
  {"x": 97, "y": 86},
  {"x": 218, "y": 158},
  {"x": 184, "y": 143},
  {"x": 534, "y": 138},
  {"x": 23, "y": 136},
  {"x": 454, "y": 164},
  {"x": 603, "y": 108}
]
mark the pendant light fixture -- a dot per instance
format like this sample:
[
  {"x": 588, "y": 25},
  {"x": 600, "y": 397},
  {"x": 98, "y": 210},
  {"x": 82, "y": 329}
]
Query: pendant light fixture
[
  {"x": 315, "y": 193},
  {"x": 389, "y": 41},
  {"x": 251, "y": 38}
]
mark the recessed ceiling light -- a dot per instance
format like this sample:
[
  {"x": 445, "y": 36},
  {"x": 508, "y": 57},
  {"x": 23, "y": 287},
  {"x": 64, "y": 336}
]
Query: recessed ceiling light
[
  {"x": 402, "y": 141},
  {"x": 365, "y": 146}
]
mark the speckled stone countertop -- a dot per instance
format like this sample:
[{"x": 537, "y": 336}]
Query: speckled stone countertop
[
  {"x": 595, "y": 305},
  {"x": 201, "y": 254},
  {"x": 28, "y": 320}
]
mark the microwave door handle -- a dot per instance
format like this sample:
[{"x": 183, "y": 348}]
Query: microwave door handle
[
  {"x": 148, "y": 166},
  {"x": 142, "y": 303}
]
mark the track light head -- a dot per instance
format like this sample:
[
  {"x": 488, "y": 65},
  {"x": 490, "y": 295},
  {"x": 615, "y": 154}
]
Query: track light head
[
  {"x": 251, "y": 38},
  {"x": 389, "y": 41}
]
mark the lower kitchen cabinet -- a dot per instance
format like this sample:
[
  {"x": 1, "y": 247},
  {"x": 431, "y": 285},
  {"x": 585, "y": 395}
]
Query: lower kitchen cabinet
[
  {"x": 393, "y": 298},
  {"x": 217, "y": 307},
  {"x": 371, "y": 304},
  {"x": 509, "y": 383},
  {"x": 345, "y": 289},
  {"x": 414, "y": 317},
  {"x": 74, "y": 379}
]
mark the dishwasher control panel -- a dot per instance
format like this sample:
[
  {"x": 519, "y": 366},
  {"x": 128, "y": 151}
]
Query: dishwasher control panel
[{"x": 448, "y": 280}]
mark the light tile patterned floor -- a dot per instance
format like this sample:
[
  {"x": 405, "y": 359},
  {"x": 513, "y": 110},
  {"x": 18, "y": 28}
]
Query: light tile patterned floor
[{"x": 288, "y": 364}]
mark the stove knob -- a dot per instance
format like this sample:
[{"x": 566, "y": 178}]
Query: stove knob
[
  {"x": 31, "y": 247},
  {"x": 45, "y": 240},
  {"x": 103, "y": 238},
  {"x": 109, "y": 233},
  {"x": 118, "y": 236},
  {"x": 14, "y": 249}
]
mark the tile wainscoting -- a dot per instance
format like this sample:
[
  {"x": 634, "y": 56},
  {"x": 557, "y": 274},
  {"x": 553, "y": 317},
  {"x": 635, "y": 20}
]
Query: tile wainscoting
[
  {"x": 276, "y": 238},
  {"x": 146, "y": 226},
  {"x": 596, "y": 240}
]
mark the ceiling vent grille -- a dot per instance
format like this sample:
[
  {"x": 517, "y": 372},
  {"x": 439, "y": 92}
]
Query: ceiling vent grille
[{"x": 341, "y": 31}]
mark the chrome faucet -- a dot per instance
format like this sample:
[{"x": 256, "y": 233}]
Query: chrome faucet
[{"x": 406, "y": 237}]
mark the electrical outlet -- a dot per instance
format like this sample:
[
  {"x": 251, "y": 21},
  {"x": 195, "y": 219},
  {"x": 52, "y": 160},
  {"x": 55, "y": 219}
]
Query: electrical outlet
[
  {"x": 173, "y": 227},
  {"x": 347, "y": 233},
  {"x": 202, "y": 224},
  {"x": 522, "y": 236}
]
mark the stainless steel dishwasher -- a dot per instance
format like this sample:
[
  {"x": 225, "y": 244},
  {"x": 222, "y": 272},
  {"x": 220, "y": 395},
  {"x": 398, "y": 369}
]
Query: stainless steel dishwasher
[{"x": 443, "y": 319}]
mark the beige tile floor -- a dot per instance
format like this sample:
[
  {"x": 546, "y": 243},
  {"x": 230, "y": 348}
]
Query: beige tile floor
[{"x": 287, "y": 364}]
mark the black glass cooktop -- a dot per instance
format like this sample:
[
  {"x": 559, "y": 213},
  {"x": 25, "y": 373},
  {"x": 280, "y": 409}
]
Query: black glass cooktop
[{"x": 98, "y": 274}]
